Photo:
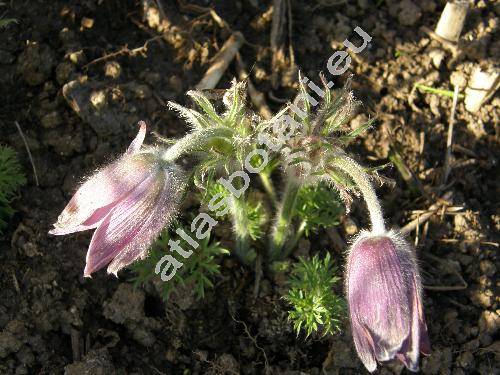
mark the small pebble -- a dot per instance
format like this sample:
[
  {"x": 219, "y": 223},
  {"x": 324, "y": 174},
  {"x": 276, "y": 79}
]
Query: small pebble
[
  {"x": 465, "y": 360},
  {"x": 437, "y": 57},
  {"x": 483, "y": 298},
  {"x": 112, "y": 69},
  {"x": 98, "y": 99},
  {"x": 488, "y": 267},
  {"x": 459, "y": 79},
  {"x": 142, "y": 92},
  {"x": 51, "y": 120},
  {"x": 87, "y": 23},
  {"x": 409, "y": 13},
  {"x": 350, "y": 226},
  {"x": 64, "y": 71},
  {"x": 460, "y": 223},
  {"x": 489, "y": 322},
  {"x": 77, "y": 57}
]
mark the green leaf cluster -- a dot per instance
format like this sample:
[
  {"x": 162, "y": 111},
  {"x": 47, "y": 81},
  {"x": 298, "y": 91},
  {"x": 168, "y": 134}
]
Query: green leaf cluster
[
  {"x": 318, "y": 206},
  {"x": 314, "y": 305}
]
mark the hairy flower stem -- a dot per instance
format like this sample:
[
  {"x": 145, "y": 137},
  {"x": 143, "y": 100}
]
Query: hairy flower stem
[
  {"x": 239, "y": 217},
  {"x": 265, "y": 179},
  {"x": 196, "y": 140},
  {"x": 296, "y": 238},
  {"x": 362, "y": 181},
  {"x": 283, "y": 225},
  {"x": 241, "y": 225}
]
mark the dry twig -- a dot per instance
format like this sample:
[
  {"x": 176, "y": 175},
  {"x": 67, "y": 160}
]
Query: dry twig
[
  {"x": 28, "y": 150},
  {"x": 441, "y": 204},
  {"x": 481, "y": 87},
  {"x": 125, "y": 51},
  {"x": 221, "y": 62},
  {"x": 452, "y": 20},
  {"x": 452, "y": 47},
  {"x": 281, "y": 28},
  {"x": 256, "y": 96},
  {"x": 449, "y": 139},
  {"x": 253, "y": 339}
]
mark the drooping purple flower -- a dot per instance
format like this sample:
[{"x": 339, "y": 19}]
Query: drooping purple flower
[
  {"x": 385, "y": 302},
  {"x": 128, "y": 202}
]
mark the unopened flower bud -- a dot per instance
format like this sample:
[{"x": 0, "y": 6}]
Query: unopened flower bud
[{"x": 385, "y": 302}]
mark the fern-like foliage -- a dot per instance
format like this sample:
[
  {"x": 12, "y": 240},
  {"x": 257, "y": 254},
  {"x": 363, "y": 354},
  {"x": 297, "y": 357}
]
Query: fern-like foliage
[
  {"x": 318, "y": 206},
  {"x": 197, "y": 271},
  {"x": 315, "y": 307},
  {"x": 11, "y": 179}
]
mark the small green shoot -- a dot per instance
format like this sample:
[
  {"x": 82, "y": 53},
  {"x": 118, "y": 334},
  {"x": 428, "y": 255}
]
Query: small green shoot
[
  {"x": 314, "y": 304},
  {"x": 253, "y": 209},
  {"x": 440, "y": 92},
  {"x": 400, "y": 53}
]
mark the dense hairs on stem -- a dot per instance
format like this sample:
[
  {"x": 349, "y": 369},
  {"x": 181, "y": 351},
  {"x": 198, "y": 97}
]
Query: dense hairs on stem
[
  {"x": 362, "y": 181},
  {"x": 241, "y": 225},
  {"x": 282, "y": 226}
]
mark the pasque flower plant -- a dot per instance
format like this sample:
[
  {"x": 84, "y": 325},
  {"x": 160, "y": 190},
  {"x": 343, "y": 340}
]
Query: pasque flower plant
[{"x": 131, "y": 200}]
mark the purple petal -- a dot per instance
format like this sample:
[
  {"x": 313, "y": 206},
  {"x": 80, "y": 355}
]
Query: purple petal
[
  {"x": 424, "y": 343},
  {"x": 410, "y": 349},
  {"x": 92, "y": 222},
  {"x": 136, "y": 144},
  {"x": 131, "y": 226},
  {"x": 96, "y": 197},
  {"x": 364, "y": 345},
  {"x": 418, "y": 341},
  {"x": 120, "y": 227},
  {"x": 164, "y": 211}
]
